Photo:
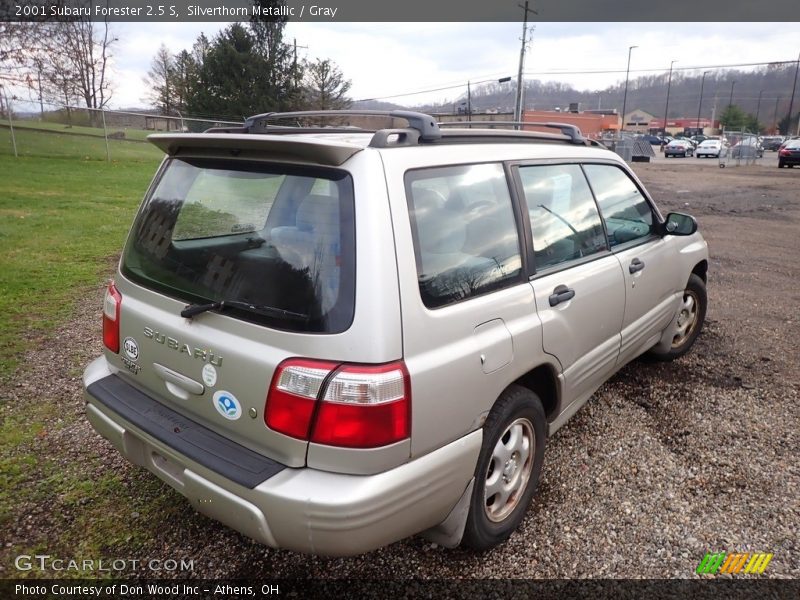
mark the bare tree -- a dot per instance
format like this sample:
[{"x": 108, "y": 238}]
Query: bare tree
[
  {"x": 62, "y": 62},
  {"x": 160, "y": 81},
  {"x": 326, "y": 87},
  {"x": 87, "y": 46}
]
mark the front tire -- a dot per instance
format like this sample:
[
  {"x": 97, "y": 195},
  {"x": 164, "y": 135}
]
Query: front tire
[
  {"x": 690, "y": 318},
  {"x": 508, "y": 468}
]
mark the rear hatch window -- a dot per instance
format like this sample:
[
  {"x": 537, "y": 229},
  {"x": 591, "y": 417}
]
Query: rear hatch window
[{"x": 275, "y": 242}]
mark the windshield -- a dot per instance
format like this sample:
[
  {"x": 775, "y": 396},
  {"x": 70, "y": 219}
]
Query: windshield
[{"x": 278, "y": 238}]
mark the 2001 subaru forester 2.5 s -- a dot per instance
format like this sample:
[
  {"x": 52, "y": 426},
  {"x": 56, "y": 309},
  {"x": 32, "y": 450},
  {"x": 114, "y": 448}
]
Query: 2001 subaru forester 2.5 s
[{"x": 330, "y": 339}]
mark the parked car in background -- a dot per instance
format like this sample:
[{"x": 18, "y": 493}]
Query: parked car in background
[
  {"x": 709, "y": 148},
  {"x": 789, "y": 155},
  {"x": 772, "y": 142},
  {"x": 653, "y": 139},
  {"x": 698, "y": 139},
  {"x": 748, "y": 148},
  {"x": 786, "y": 141},
  {"x": 680, "y": 147}
]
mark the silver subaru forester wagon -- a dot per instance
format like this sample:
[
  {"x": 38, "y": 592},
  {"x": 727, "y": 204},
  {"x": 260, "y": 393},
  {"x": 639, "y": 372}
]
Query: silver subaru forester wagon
[{"x": 332, "y": 338}]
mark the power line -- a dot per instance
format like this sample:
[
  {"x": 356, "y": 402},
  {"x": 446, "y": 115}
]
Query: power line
[{"x": 583, "y": 72}]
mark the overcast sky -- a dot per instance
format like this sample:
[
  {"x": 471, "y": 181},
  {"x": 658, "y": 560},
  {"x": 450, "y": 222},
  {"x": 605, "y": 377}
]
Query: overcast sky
[{"x": 387, "y": 59}]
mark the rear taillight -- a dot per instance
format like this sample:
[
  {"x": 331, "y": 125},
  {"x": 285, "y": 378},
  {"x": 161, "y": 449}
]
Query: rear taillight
[
  {"x": 293, "y": 395},
  {"x": 111, "y": 306},
  {"x": 784, "y": 152},
  {"x": 350, "y": 406}
]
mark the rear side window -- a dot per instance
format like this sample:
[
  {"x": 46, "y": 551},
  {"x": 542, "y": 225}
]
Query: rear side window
[
  {"x": 465, "y": 233},
  {"x": 626, "y": 212},
  {"x": 564, "y": 219},
  {"x": 277, "y": 238}
]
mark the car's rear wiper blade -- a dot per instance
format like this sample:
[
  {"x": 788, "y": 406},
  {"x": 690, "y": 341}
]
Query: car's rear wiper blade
[{"x": 270, "y": 311}]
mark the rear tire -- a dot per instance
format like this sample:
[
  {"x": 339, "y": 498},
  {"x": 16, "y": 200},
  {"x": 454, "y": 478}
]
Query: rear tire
[
  {"x": 691, "y": 317},
  {"x": 508, "y": 468}
]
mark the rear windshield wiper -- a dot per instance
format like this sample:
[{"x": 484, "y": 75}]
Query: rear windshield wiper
[{"x": 270, "y": 311}]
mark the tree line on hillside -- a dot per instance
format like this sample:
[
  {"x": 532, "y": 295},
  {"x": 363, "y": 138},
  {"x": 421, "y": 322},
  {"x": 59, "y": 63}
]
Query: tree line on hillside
[
  {"x": 242, "y": 71},
  {"x": 773, "y": 83}
]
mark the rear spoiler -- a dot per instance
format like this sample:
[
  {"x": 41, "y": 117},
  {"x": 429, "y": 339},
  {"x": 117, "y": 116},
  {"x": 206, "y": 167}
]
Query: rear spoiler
[{"x": 281, "y": 148}]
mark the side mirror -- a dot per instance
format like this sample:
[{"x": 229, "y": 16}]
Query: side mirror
[{"x": 679, "y": 224}]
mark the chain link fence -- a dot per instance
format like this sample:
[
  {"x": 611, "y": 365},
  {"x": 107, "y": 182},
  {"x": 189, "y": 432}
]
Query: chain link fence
[
  {"x": 92, "y": 134},
  {"x": 739, "y": 148},
  {"x": 630, "y": 147}
]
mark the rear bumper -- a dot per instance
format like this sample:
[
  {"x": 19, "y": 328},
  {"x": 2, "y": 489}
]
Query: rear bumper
[{"x": 306, "y": 510}]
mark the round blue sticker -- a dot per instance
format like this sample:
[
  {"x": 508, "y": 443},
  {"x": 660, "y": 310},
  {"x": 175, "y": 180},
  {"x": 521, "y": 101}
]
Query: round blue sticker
[{"x": 227, "y": 405}]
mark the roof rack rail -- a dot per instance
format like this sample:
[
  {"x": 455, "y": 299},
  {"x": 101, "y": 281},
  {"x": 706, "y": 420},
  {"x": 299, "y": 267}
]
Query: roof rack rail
[
  {"x": 426, "y": 125},
  {"x": 571, "y": 131}
]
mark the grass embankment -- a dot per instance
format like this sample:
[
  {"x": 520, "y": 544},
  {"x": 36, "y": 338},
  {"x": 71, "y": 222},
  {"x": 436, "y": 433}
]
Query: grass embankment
[
  {"x": 61, "y": 221},
  {"x": 42, "y": 143},
  {"x": 130, "y": 133}
]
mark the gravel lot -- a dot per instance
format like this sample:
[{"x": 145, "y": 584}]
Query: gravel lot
[{"x": 664, "y": 464}]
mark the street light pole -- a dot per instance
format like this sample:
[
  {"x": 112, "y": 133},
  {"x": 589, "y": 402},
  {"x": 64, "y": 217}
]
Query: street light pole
[
  {"x": 627, "y": 75},
  {"x": 518, "y": 108},
  {"x": 791, "y": 102},
  {"x": 700, "y": 104},
  {"x": 469, "y": 102},
  {"x": 666, "y": 108},
  {"x": 758, "y": 109},
  {"x": 730, "y": 100}
]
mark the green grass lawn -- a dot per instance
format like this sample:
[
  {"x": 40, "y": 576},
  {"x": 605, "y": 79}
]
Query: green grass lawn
[
  {"x": 60, "y": 221},
  {"x": 130, "y": 133},
  {"x": 32, "y": 143}
]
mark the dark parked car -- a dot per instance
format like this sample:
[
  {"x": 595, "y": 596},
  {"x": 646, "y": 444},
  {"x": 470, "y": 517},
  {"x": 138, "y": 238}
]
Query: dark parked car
[
  {"x": 789, "y": 155},
  {"x": 772, "y": 142},
  {"x": 653, "y": 139},
  {"x": 679, "y": 148}
]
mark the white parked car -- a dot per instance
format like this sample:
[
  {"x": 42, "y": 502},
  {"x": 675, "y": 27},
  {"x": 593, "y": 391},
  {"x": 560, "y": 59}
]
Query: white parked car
[{"x": 709, "y": 148}]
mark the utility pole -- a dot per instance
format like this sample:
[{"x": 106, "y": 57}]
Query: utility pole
[
  {"x": 730, "y": 100},
  {"x": 518, "y": 102},
  {"x": 469, "y": 102},
  {"x": 294, "y": 65},
  {"x": 791, "y": 102},
  {"x": 775, "y": 116},
  {"x": 669, "y": 83},
  {"x": 627, "y": 76},
  {"x": 700, "y": 104},
  {"x": 758, "y": 109}
]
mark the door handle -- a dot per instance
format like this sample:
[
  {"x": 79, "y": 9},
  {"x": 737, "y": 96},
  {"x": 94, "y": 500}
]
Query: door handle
[
  {"x": 636, "y": 265},
  {"x": 561, "y": 294}
]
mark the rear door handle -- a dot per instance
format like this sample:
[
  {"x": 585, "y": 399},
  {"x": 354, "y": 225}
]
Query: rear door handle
[
  {"x": 561, "y": 294},
  {"x": 636, "y": 265}
]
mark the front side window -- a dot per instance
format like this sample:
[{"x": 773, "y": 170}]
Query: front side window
[
  {"x": 626, "y": 212},
  {"x": 465, "y": 233},
  {"x": 564, "y": 220},
  {"x": 279, "y": 239}
]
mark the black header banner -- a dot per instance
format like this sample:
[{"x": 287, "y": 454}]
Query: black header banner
[
  {"x": 502, "y": 589},
  {"x": 403, "y": 11}
]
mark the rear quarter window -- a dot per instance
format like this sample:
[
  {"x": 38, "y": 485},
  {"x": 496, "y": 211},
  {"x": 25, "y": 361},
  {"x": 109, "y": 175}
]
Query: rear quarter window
[{"x": 465, "y": 233}]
